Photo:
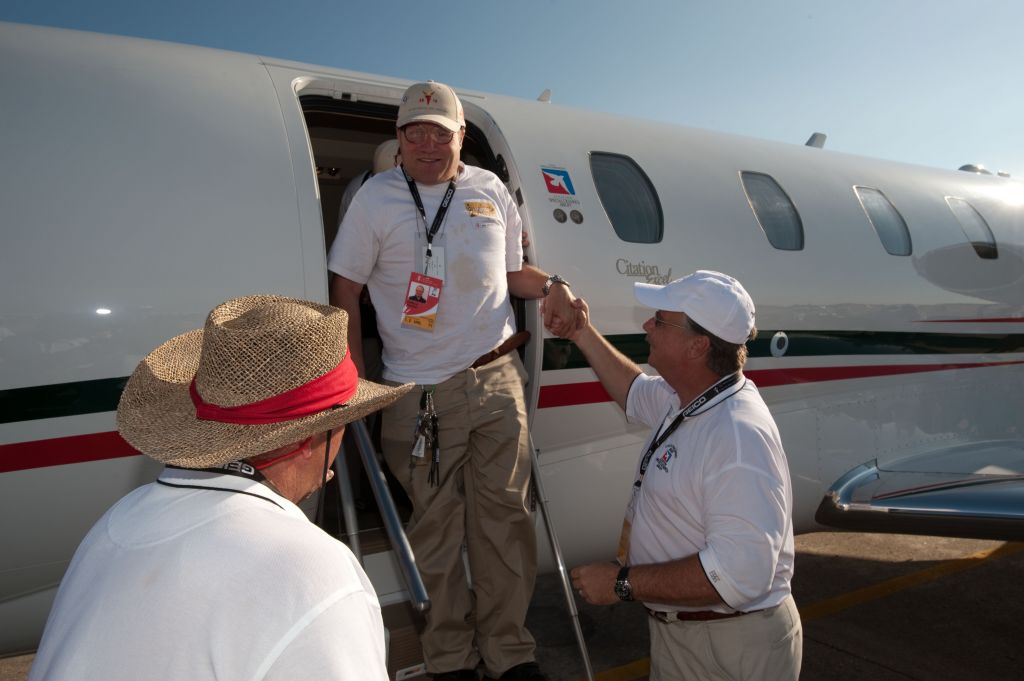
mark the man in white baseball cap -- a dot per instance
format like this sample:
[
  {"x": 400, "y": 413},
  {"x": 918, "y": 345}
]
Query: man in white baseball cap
[
  {"x": 707, "y": 539},
  {"x": 458, "y": 443}
]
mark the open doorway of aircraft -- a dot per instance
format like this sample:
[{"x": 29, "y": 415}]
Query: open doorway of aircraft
[{"x": 143, "y": 182}]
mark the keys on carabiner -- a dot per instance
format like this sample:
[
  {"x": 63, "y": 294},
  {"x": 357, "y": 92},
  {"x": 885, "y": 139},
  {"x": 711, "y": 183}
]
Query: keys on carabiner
[
  {"x": 419, "y": 435},
  {"x": 425, "y": 437},
  {"x": 434, "y": 444}
]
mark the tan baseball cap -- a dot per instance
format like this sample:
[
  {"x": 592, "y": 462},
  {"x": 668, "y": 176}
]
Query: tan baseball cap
[{"x": 431, "y": 102}]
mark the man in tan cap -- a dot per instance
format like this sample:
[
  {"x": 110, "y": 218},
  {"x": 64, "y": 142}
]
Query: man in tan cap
[
  {"x": 213, "y": 571},
  {"x": 707, "y": 541},
  {"x": 458, "y": 443}
]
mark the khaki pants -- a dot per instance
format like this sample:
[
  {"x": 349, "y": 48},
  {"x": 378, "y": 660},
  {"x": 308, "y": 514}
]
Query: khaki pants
[
  {"x": 480, "y": 500},
  {"x": 761, "y": 646}
]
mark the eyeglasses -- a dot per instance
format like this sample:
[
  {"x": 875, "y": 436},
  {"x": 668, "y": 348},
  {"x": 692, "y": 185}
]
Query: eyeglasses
[
  {"x": 658, "y": 321},
  {"x": 418, "y": 134}
]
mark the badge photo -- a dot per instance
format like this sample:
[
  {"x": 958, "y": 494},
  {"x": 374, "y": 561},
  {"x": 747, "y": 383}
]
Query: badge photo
[{"x": 422, "y": 297}]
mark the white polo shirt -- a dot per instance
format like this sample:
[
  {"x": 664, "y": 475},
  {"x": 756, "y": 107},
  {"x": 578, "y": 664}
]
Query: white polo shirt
[
  {"x": 719, "y": 487},
  {"x": 230, "y": 583},
  {"x": 380, "y": 243}
]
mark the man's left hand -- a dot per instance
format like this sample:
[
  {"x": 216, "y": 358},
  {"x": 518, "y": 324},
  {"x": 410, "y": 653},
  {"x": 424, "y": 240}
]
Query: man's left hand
[{"x": 595, "y": 583}]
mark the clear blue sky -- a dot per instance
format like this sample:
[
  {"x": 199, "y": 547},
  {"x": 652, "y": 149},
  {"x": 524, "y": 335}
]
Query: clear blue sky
[{"x": 934, "y": 82}]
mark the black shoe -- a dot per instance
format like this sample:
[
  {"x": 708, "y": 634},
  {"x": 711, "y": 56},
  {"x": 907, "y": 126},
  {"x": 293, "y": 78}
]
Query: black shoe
[
  {"x": 459, "y": 675},
  {"x": 527, "y": 671}
]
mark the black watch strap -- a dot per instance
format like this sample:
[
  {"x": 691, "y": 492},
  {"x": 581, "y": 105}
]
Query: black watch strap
[
  {"x": 551, "y": 281},
  {"x": 623, "y": 589}
]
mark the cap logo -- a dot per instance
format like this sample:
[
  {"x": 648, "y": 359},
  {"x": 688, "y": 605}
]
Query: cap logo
[{"x": 427, "y": 96}]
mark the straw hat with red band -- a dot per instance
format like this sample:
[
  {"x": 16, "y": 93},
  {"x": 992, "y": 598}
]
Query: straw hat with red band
[{"x": 264, "y": 372}]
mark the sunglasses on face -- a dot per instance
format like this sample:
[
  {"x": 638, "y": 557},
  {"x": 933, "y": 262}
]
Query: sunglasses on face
[{"x": 658, "y": 321}]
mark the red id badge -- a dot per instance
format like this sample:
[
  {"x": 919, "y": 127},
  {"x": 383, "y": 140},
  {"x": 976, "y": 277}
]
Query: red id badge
[{"x": 421, "y": 299}]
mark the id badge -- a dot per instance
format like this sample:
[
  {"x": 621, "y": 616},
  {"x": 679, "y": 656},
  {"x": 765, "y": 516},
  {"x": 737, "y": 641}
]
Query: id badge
[{"x": 422, "y": 296}]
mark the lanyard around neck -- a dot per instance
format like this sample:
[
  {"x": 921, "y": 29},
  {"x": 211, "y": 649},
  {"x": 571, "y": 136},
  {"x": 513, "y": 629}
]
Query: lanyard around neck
[
  {"x": 442, "y": 210},
  {"x": 662, "y": 435},
  {"x": 238, "y": 469}
]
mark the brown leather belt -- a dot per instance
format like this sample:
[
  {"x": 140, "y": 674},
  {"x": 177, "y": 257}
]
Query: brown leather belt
[
  {"x": 510, "y": 344},
  {"x": 695, "y": 616}
]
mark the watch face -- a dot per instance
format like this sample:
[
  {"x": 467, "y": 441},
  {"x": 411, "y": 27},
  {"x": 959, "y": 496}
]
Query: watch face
[{"x": 623, "y": 590}]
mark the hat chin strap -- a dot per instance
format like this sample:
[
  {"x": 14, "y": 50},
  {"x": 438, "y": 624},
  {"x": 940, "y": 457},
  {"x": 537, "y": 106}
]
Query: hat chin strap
[
  {"x": 323, "y": 482},
  {"x": 318, "y": 518}
]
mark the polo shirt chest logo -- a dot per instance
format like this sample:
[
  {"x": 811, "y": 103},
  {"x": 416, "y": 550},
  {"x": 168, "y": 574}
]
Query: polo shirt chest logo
[
  {"x": 666, "y": 456},
  {"x": 480, "y": 209}
]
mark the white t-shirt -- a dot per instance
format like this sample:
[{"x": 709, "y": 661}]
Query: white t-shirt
[
  {"x": 199, "y": 584},
  {"x": 380, "y": 244},
  {"x": 718, "y": 486}
]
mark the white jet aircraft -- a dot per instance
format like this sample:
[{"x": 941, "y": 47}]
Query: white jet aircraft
[{"x": 141, "y": 183}]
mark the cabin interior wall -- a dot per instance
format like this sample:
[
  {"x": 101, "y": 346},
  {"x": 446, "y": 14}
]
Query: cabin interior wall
[{"x": 342, "y": 150}]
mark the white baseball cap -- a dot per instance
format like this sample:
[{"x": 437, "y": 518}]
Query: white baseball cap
[
  {"x": 431, "y": 102},
  {"x": 714, "y": 300}
]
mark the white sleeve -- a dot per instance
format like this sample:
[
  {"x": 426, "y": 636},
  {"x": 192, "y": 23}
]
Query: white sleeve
[
  {"x": 513, "y": 233},
  {"x": 355, "y": 248},
  {"x": 344, "y": 641},
  {"x": 649, "y": 399},
  {"x": 746, "y": 516}
]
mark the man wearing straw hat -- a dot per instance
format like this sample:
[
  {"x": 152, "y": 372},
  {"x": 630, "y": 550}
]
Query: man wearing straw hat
[{"x": 213, "y": 571}]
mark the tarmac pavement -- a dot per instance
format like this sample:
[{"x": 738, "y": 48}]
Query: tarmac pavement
[{"x": 878, "y": 607}]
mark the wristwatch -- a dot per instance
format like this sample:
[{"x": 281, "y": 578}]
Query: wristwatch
[
  {"x": 553, "y": 279},
  {"x": 623, "y": 589}
]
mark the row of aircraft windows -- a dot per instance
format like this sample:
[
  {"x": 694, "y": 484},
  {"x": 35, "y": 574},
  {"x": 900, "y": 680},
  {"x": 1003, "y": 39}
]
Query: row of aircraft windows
[{"x": 633, "y": 207}]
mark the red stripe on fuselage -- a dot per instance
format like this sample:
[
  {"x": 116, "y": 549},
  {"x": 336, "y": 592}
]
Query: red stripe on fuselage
[
  {"x": 571, "y": 394},
  {"x": 767, "y": 378},
  {"x": 993, "y": 320},
  {"x": 58, "y": 451},
  {"x": 99, "y": 446}
]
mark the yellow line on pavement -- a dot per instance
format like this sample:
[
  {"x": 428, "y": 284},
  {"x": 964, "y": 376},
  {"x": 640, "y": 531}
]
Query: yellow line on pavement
[
  {"x": 638, "y": 669},
  {"x": 641, "y": 668},
  {"x": 831, "y": 606}
]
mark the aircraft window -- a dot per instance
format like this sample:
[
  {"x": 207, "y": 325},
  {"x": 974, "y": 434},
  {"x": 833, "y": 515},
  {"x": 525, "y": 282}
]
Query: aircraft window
[
  {"x": 887, "y": 221},
  {"x": 774, "y": 211},
  {"x": 975, "y": 228},
  {"x": 628, "y": 197}
]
